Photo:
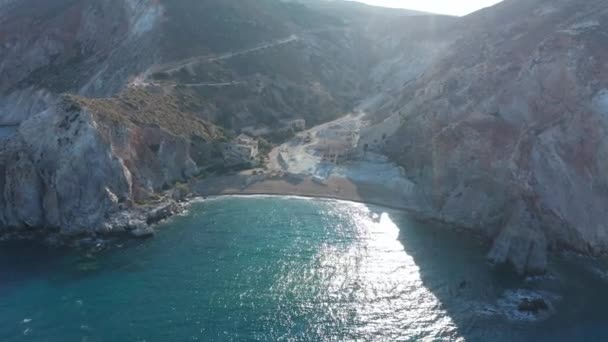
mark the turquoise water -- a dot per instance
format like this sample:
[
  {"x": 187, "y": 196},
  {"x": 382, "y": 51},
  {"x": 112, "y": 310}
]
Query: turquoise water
[{"x": 288, "y": 269}]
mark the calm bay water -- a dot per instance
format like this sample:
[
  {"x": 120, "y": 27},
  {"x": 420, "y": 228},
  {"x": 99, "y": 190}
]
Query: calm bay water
[{"x": 288, "y": 269}]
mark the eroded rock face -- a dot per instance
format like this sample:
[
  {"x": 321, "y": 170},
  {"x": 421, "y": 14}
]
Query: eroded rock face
[
  {"x": 72, "y": 177},
  {"x": 66, "y": 169},
  {"x": 521, "y": 242},
  {"x": 506, "y": 134},
  {"x": 154, "y": 158}
]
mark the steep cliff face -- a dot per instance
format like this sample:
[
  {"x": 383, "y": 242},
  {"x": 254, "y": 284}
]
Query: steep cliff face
[
  {"x": 73, "y": 166},
  {"x": 69, "y": 164},
  {"x": 60, "y": 174},
  {"x": 506, "y": 133}
]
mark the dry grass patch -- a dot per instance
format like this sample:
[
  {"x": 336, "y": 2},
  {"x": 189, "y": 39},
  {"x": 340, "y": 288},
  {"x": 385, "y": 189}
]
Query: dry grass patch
[{"x": 142, "y": 107}]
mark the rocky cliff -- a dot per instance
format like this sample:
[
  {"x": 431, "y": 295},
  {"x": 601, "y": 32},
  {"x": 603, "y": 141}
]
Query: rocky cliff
[
  {"x": 506, "y": 132},
  {"x": 81, "y": 161}
]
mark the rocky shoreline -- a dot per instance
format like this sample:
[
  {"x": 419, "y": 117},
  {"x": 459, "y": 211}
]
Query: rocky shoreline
[
  {"x": 127, "y": 224},
  {"x": 140, "y": 221}
]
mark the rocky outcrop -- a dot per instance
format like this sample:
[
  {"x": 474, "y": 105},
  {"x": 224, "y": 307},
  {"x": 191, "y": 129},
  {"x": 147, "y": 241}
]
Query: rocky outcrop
[
  {"x": 72, "y": 178},
  {"x": 521, "y": 242},
  {"x": 506, "y": 133},
  {"x": 69, "y": 170}
]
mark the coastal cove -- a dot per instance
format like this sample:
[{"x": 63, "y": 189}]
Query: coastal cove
[
  {"x": 303, "y": 170},
  {"x": 271, "y": 267},
  {"x": 113, "y": 112}
]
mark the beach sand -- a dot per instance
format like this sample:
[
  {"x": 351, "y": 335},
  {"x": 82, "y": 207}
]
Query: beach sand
[{"x": 297, "y": 185}]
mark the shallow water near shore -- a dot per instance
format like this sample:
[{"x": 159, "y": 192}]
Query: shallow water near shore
[{"x": 277, "y": 268}]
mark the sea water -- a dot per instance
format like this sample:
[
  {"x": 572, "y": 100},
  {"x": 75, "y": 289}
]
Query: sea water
[{"x": 292, "y": 269}]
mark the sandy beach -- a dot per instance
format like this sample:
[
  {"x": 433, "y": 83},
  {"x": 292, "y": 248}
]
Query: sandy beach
[{"x": 296, "y": 185}]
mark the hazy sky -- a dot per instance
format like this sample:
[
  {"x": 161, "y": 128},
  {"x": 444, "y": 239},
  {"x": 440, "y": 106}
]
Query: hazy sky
[{"x": 454, "y": 7}]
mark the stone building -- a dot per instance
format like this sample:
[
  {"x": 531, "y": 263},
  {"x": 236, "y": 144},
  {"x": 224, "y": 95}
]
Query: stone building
[{"x": 243, "y": 150}]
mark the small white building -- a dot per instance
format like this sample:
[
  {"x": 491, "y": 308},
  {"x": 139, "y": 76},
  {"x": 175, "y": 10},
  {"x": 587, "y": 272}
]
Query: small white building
[{"x": 243, "y": 150}]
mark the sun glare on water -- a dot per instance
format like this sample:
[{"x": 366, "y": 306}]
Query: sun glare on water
[{"x": 367, "y": 281}]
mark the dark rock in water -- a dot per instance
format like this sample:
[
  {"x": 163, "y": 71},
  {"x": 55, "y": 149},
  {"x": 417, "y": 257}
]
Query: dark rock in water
[
  {"x": 104, "y": 229},
  {"x": 139, "y": 229},
  {"x": 143, "y": 232},
  {"x": 134, "y": 225},
  {"x": 533, "y": 305}
]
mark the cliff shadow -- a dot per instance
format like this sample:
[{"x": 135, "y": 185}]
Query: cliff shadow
[
  {"x": 482, "y": 300},
  {"x": 22, "y": 262}
]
